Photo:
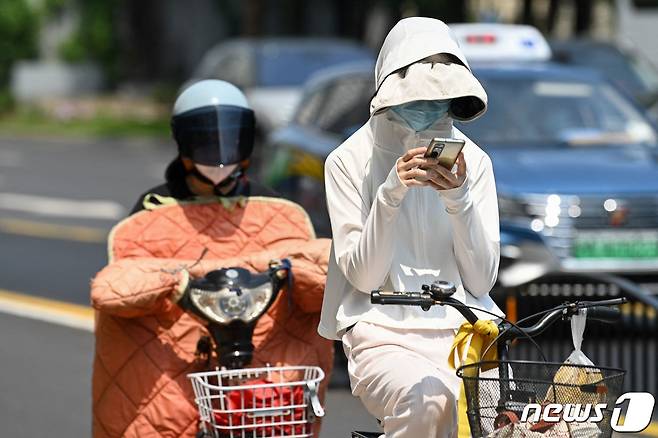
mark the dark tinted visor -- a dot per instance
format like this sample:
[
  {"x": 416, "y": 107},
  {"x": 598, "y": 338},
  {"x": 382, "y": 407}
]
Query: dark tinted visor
[{"x": 213, "y": 135}]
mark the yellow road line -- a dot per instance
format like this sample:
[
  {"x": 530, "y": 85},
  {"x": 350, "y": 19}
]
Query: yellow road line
[
  {"x": 53, "y": 231},
  {"x": 45, "y": 309}
]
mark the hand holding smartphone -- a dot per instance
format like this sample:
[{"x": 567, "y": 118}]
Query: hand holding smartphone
[{"x": 446, "y": 150}]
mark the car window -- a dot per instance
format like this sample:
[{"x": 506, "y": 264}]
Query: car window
[
  {"x": 569, "y": 113},
  {"x": 280, "y": 65},
  {"x": 646, "y": 72},
  {"x": 311, "y": 104},
  {"x": 340, "y": 107},
  {"x": 231, "y": 64},
  {"x": 234, "y": 68},
  {"x": 616, "y": 66},
  {"x": 347, "y": 105}
]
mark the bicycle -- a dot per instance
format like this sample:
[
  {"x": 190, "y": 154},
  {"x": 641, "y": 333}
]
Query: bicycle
[{"x": 498, "y": 392}]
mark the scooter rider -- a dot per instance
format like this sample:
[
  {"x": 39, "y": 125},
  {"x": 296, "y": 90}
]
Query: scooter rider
[
  {"x": 201, "y": 167},
  {"x": 400, "y": 220},
  {"x": 208, "y": 215}
]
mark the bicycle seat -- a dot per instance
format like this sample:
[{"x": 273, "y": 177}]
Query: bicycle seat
[{"x": 356, "y": 434}]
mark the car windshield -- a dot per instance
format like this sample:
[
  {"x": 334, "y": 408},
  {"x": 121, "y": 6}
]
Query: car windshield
[
  {"x": 283, "y": 65},
  {"x": 339, "y": 106},
  {"x": 567, "y": 113},
  {"x": 632, "y": 73}
]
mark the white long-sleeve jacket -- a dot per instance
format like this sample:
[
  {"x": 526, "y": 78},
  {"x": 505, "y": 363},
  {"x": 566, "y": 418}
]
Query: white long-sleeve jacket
[{"x": 388, "y": 235}]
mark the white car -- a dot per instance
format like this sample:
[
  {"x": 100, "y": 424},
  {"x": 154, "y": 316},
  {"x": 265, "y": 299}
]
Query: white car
[
  {"x": 272, "y": 71},
  {"x": 495, "y": 42}
]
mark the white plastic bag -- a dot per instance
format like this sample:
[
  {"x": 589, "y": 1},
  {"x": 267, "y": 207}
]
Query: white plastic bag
[
  {"x": 585, "y": 373},
  {"x": 578, "y": 322}
]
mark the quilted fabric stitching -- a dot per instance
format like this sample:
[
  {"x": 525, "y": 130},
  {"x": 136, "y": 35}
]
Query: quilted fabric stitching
[
  {"x": 182, "y": 245},
  {"x": 156, "y": 392},
  {"x": 143, "y": 293},
  {"x": 100, "y": 360},
  {"x": 254, "y": 238},
  {"x": 100, "y": 424},
  {"x": 294, "y": 224},
  {"x": 278, "y": 210},
  {"x": 123, "y": 391},
  {"x": 143, "y": 227},
  {"x": 171, "y": 381},
  {"x": 213, "y": 222},
  {"x": 237, "y": 230}
]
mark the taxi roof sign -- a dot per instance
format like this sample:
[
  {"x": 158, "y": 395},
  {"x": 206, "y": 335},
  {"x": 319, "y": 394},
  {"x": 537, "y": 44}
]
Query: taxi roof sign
[{"x": 494, "y": 42}]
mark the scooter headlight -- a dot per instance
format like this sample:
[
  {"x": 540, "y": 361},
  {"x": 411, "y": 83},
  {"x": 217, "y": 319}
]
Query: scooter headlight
[{"x": 233, "y": 300}]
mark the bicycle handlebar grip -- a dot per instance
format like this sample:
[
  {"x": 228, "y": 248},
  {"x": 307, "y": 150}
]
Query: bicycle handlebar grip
[
  {"x": 404, "y": 298},
  {"x": 609, "y": 315}
]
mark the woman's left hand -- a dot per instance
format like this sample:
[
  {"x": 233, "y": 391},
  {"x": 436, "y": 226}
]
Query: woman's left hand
[{"x": 443, "y": 179}]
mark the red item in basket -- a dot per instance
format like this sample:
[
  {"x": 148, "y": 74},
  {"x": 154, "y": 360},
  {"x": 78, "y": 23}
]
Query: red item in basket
[{"x": 268, "y": 397}]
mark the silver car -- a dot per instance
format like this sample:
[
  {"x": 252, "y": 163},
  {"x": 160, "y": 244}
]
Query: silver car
[{"x": 272, "y": 71}]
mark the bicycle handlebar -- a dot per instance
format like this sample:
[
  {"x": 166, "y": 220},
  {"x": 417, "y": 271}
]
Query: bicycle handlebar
[
  {"x": 425, "y": 300},
  {"x": 597, "y": 310},
  {"x": 609, "y": 315},
  {"x": 421, "y": 299}
]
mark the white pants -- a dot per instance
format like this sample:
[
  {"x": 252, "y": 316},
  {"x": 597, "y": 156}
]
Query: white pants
[{"x": 403, "y": 379}]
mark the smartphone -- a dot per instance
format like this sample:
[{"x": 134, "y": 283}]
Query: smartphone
[{"x": 446, "y": 150}]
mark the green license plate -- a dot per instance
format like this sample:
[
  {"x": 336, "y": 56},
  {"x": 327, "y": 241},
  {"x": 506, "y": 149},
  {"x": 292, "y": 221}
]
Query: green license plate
[{"x": 616, "y": 245}]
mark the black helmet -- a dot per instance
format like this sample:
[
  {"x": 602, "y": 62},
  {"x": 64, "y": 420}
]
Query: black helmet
[{"x": 213, "y": 124}]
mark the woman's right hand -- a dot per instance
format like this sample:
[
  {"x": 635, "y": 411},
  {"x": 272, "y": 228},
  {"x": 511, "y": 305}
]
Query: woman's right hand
[{"x": 411, "y": 167}]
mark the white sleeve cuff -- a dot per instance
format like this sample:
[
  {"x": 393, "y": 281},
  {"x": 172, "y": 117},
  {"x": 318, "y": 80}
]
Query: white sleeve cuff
[
  {"x": 458, "y": 199},
  {"x": 393, "y": 189}
]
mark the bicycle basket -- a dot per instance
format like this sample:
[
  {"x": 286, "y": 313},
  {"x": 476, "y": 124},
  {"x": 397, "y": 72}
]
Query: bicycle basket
[
  {"x": 258, "y": 402},
  {"x": 498, "y": 397}
]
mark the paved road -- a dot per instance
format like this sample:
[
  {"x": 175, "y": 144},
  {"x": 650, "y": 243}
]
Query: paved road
[
  {"x": 45, "y": 384},
  {"x": 58, "y": 200},
  {"x": 53, "y": 242},
  {"x": 45, "y": 381}
]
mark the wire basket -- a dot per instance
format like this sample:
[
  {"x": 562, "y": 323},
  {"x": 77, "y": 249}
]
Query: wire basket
[
  {"x": 498, "y": 392},
  {"x": 258, "y": 402}
]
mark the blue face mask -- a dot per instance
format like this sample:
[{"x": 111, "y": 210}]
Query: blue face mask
[{"x": 421, "y": 114}]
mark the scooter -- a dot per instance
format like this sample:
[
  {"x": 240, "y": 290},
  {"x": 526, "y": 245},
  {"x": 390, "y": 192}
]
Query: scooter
[{"x": 233, "y": 399}]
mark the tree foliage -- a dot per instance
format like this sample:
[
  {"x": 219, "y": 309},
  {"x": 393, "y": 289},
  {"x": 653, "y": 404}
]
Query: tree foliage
[
  {"x": 18, "y": 40},
  {"x": 95, "y": 38}
]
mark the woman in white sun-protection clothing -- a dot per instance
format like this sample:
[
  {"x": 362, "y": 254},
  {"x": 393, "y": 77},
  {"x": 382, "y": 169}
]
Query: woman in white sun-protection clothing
[{"x": 399, "y": 221}]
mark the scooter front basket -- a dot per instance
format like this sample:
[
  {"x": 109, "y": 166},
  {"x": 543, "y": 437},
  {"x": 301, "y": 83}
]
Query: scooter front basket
[{"x": 258, "y": 402}]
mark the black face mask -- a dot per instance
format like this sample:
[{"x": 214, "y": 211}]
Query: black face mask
[{"x": 214, "y": 135}]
